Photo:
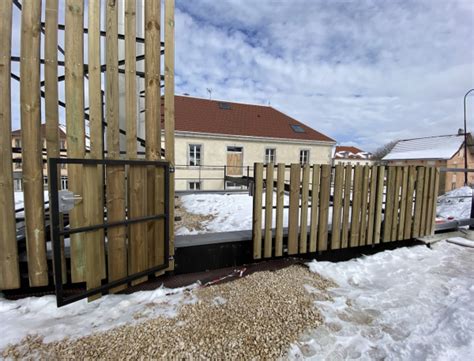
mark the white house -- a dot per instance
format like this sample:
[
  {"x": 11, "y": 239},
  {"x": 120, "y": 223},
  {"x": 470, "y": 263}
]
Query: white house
[
  {"x": 214, "y": 138},
  {"x": 352, "y": 155}
]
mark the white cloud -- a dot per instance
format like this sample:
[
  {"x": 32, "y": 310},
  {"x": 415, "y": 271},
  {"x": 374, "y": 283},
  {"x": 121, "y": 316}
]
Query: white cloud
[{"x": 363, "y": 72}]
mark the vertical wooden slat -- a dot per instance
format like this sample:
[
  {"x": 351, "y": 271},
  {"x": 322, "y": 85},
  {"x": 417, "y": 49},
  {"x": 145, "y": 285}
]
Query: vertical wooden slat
[
  {"x": 93, "y": 184},
  {"x": 169, "y": 110},
  {"x": 295, "y": 172},
  {"x": 347, "y": 206},
  {"x": 304, "y": 210},
  {"x": 267, "y": 252},
  {"x": 313, "y": 230},
  {"x": 137, "y": 241},
  {"x": 257, "y": 211},
  {"x": 364, "y": 202},
  {"x": 435, "y": 202},
  {"x": 409, "y": 203},
  {"x": 424, "y": 207},
  {"x": 9, "y": 266},
  {"x": 153, "y": 128},
  {"x": 337, "y": 203},
  {"x": 31, "y": 143},
  {"x": 75, "y": 127},
  {"x": 379, "y": 203},
  {"x": 396, "y": 203},
  {"x": 420, "y": 180},
  {"x": 431, "y": 194},
  {"x": 389, "y": 200},
  {"x": 403, "y": 204},
  {"x": 280, "y": 194},
  {"x": 325, "y": 194},
  {"x": 371, "y": 213},
  {"x": 51, "y": 99},
  {"x": 356, "y": 206},
  {"x": 116, "y": 236}
]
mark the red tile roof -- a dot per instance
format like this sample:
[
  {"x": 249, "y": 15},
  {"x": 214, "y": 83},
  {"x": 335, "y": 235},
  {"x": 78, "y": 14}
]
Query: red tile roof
[
  {"x": 343, "y": 148},
  {"x": 211, "y": 116}
]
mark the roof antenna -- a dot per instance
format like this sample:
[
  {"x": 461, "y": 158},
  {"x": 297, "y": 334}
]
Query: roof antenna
[{"x": 209, "y": 90}]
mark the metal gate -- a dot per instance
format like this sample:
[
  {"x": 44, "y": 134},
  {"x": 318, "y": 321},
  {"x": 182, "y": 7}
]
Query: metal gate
[{"x": 62, "y": 202}]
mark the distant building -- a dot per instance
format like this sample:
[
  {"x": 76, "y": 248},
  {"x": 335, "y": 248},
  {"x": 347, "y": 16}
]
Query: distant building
[
  {"x": 213, "y": 137},
  {"x": 446, "y": 151},
  {"x": 352, "y": 155},
  {"x": 17, "y": 164}
]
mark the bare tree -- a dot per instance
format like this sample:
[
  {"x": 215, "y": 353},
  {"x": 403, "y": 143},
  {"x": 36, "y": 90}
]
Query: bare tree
[{"x": 382, "y": 151}]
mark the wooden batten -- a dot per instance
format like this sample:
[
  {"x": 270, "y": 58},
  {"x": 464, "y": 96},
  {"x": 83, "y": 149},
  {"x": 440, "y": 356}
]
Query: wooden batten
[
  {"x": 293, "y": 212},
  {"x": 372, "y": 199},
  {"x": 115, "y": 178},
  {"x": 324, "y": 196},
  {"x": 409, "y": 207},
  {"x": 153, "y": 125},
  {"x": 280, "y": 201},
  {"x": 267, "y": 251},
  {"x": 364, "y": 204},
  {"x": 424, "y": 207},
  {"x": 303, "y": 248},
  {"x": 170, "y": 113},
  {"x": 313, "y": 228},
  {"x": 337, "y": 206},
  {"x": 379, "y": 203},
  {"x": 347, "y": 206},
  {"x": 420, "y": 180},
  {"x": 356, "y": 206},
  {"x": 32, "y": 162},
  {"x": 403, "y": 204},
  {"x": 75, "y": 126},
  {"x": 9, "y": 267},
  {"x": 257, "y": 210},
  {"x": 389, "y": 201}
]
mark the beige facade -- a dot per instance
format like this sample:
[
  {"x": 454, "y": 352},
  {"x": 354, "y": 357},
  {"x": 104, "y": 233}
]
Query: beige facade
[
  {"x": 17, "y": 164},
  {"x": 236, "y": 155}
]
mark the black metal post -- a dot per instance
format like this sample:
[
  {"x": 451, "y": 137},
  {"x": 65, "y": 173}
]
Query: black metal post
[{"x": 465, "y": 137}]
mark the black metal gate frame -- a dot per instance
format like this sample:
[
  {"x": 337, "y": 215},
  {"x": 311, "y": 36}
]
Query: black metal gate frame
[{"x": 57, "y": 232}]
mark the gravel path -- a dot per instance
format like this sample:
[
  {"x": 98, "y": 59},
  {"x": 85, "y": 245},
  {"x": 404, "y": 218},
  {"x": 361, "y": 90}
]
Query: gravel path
[{"x": 256, "y": 317}]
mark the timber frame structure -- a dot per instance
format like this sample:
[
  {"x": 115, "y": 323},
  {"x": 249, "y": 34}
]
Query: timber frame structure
[{"x": 104, "y": 171}]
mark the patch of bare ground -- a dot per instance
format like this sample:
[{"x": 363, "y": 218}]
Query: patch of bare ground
[
  {"x": 191, "y": 221},
  {"x": 256, "y": 317}
]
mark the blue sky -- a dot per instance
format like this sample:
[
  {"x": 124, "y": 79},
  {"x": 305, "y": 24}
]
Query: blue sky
[{"x": 364, "y": 72}]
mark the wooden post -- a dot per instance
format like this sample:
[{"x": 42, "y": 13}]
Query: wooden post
[
  {"x": 51, "y": 102},
  {"x": 268, "y": 211},
  {"x": 9, "y": 266},
  {"x": 324, "y": 196},
  {"x": 75, "y": 127},
  {"x": 372, "y": 197},
  {"x": 409, "y": 204},
  {"x": 431, "y": 195},
  {"x": 435, "y": 202},
  {"x": 313, "y": 230},
  {"x": 347, "y": 206},
  {"x": 337, "y": 203},
  {"x": 364, "y": 202},
  {"x": 169, "y": 112},
  {"x": 257, "y": 210},
  {"x": 32, "y": 160},
  {"x": 116, "y": 236},
  {"x": 356, "y": 205},
  {"x": 424, "y": 208},
  {"x": 379, "y": 203},
  {"x": 293, "y": 212},
  {"x": 153, "y": 128},
  {"x": 280, "y": 194},
  {"x": 137, "y": 233},
  {"x": 389, "y": 200},
  {"x": 396, "y": 203},
  {"x": 420, "y": 180},
  {"x": 403, "y": 204},
  {"x": 304, "y": 210}
]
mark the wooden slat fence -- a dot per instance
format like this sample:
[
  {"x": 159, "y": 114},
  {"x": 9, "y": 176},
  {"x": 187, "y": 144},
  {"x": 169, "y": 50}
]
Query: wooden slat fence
[
  {"x": 341, "y": 207},
  {"x": 93, "y": 129}
]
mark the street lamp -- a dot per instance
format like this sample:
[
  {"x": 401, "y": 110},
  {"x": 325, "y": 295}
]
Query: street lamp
[{"x": 465, "y": 137}]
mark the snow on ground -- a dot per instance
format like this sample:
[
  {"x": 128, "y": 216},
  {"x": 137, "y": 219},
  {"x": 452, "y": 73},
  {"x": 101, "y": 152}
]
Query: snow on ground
[
  {"x": 407, "y": 304},
  {"x": 40, "y": 316},
  {"x": 232, "y": 211},
  {"x": 455, "y": 204},
  {"x": 19, "y": 202}
]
